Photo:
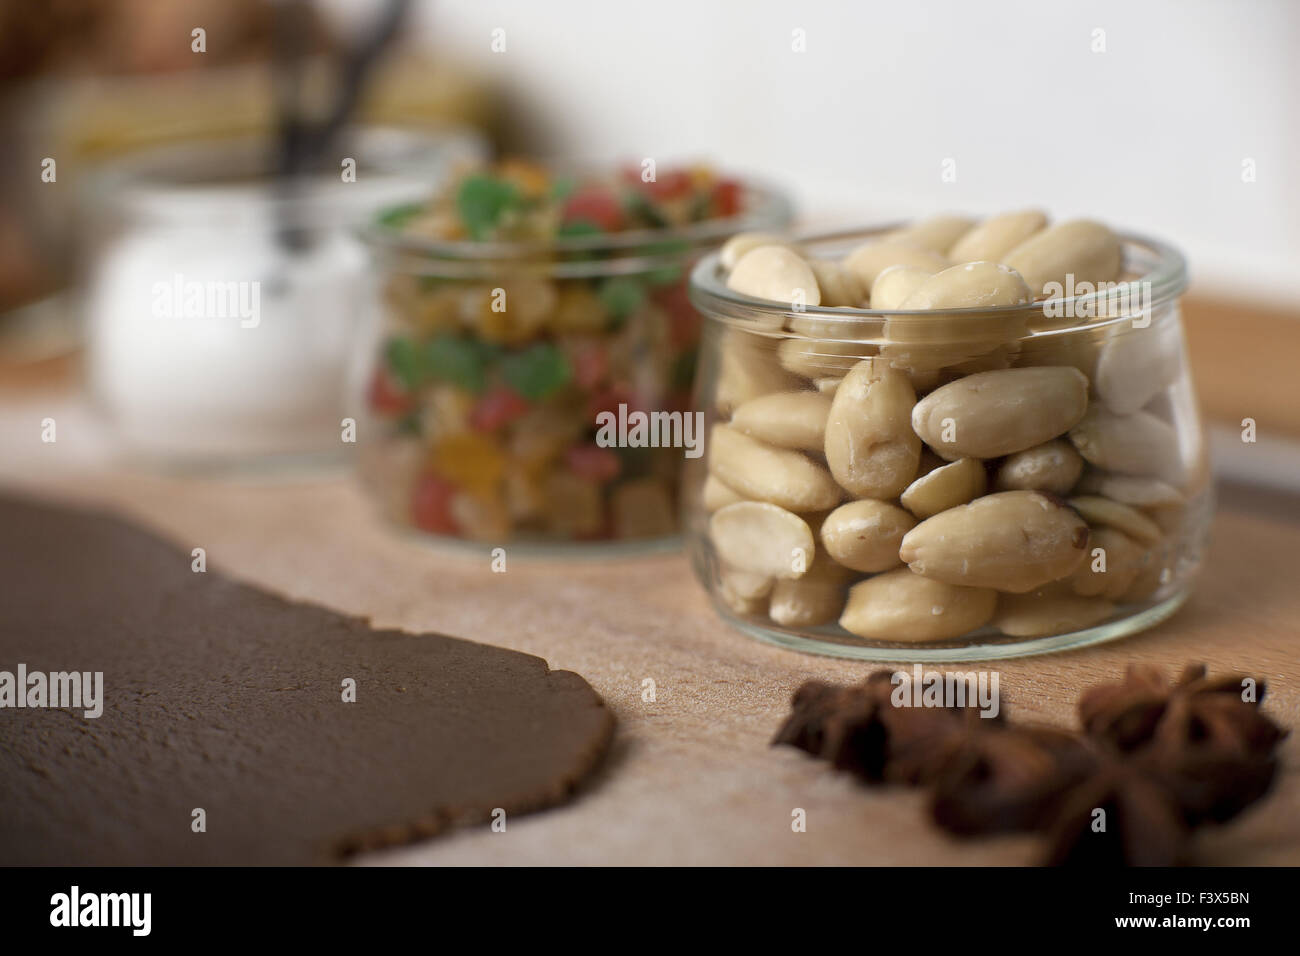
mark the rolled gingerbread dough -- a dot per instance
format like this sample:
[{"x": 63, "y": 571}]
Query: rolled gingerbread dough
[{"x": 225, "y": 704}]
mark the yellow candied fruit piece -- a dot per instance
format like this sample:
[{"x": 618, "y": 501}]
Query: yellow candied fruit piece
[
  {"x": 702, "y": 177},
  {"x": 436, "y": 224},
  {"x": 470, "y": 460},
  {"x": 578, "y": 309},
  {"x": 511, "y": 313},
  {"x": 530, "y": 178},
  {"x": 446, "y": 411},
  {"x": 437, "y": 311},
  {"x": 537, "y": 439}
]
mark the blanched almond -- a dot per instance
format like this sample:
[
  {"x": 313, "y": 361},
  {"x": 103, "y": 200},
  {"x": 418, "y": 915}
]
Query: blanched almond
[
  {"x": 742, "y": 242},
  {"x": 839, "y": 287},
  {"x": 762, "y": 539},
  {"x": 749, "y": 585},
  {"x": 993, "y": 238},
  {"x": 895, "y": 284},
  {"x": 870, "y": 446},
  {"x": 1081, "y": 248},
  {"x": 1130, "y": 489},
  {"x": 1139, "y": 444},
  {"x": 970, "y": 285},
  {"x": 920, "y": 341},
  {"x": 991, "y": 414},
  {"x": 1137, "y": 363},
  {"x": 827, "y": 386},
  {"x": 938, "y": 233},
  {"x": 1113, "y": 562},
  {"x": 813, "y": 359},
  {"x": 1052, "y": 466},
  {"x": 717, "y": 495},
  {"x": 901, "y": 606},
  {"x": 869, "y": 260},
  {"x": 739, "y": 604},
  {"x": 786, "y": 419},
  {"x": 1012, "y": 541},
  {"x": 761, "y": 472},
  {"x": 776, "y": 273},
  {"x": 1098, "y": 510},
  {"x": 865, "y": 535},
  {"x": 945, "y": 487},
  {"x": 747, "y": 368},
  {"x": 813, "y": 599},
  {"x": 1035, "y": 615}
]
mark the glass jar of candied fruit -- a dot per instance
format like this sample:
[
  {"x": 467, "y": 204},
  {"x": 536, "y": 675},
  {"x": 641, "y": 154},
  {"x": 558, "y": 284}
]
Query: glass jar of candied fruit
[
  {"x": 520, "y": 305},
  {"x": 946, "y": 441}
]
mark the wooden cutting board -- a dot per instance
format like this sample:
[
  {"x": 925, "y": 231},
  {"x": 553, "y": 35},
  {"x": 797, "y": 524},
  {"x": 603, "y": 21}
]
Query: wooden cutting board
[{"x": 691, "y": 778}]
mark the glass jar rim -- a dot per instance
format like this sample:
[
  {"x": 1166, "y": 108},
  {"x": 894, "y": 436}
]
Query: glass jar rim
[
  {"x": 220, "y": 178},
  {"x": 619, "y": 253},
  {"x": 1165, "y": 277}
]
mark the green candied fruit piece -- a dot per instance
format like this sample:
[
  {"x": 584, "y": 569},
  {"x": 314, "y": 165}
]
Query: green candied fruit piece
[
  {"x": 481, "y": 200},
  {"x": 432, "y": 283},
  {"x": 404, "y": 361},
  {"x": 399, "y": 216},
  {"x": 458, "y": 361},
  {"x": 578, "y": 227},
  {"x": 621, "y": 296},
  {"x": 639, "y": 207},
  {"x": 408, "y": 424},
  {"x": 563, "y": 188},
  {"x": 537, "y": 372}
]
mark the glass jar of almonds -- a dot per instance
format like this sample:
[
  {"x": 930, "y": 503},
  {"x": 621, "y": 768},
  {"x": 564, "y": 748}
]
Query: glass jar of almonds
[
  {"x": 524, "y": 308},
  {"x": 950, "y": 440}
]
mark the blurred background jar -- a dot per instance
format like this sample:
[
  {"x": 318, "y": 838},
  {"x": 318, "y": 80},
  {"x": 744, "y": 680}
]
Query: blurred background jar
[
  {"x": 519, "y": 308},
  {"x": 1134, "y": 469},
  {"x": 225, "y": 308}
]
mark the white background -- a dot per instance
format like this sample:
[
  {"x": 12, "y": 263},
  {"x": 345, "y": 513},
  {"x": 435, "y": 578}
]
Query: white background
[{"x": 1149, "y": 135}]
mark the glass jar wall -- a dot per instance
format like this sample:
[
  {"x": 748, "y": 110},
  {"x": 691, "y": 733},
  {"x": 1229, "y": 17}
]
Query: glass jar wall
[
  {"x": 957, "y": 484},
  {"x": 498, "y": 360}
]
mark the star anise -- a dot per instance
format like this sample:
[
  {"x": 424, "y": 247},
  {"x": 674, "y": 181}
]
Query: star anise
[
  {"x": 1156, "y": 760},
  {"x": 924, "y": 742},
  {"x": 860, "y": 730},
  {"x": 1010, "y": 779},
  {"x": 841, "y": 724},
  {"x": 1170, "y": 758},
  {"x": 1125, "y": 813},
  {"x": 1196, "y": 709}
]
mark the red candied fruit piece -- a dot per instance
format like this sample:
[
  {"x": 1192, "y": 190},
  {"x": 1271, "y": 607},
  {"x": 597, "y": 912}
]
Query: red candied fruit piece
[
  {"x": 386, "y": 397},
  {"x": 669, "y": 184},
  {"x": 497, "y": 409},
  {"x": 594, "y": 205},
  {"x": 608, "y": 399},
  {"x": 726, "y": 197},
  {"x": 590, "y": 366},
  {"x": 679, "y": 400},
  {"x": 593, "y": 463},
  {"x": 683, "y": 320},
  {"x": 431, "y": 505}
]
